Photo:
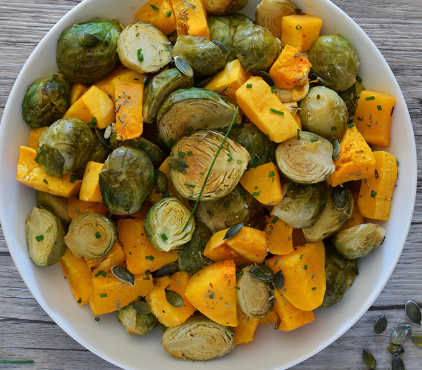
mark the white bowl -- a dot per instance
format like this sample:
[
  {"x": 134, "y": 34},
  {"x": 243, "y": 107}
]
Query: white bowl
[{"x": 271, "y": 349}]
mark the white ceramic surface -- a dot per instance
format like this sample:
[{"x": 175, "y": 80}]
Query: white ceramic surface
[{"x": 271, "y": 349}]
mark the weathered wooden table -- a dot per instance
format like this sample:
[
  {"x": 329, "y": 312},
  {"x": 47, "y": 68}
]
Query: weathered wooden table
[{"x": 25, "y": 329}]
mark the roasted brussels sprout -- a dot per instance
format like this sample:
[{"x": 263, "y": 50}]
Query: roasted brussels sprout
[
  {"x": 351, "y": 97},
  {"x": 168, "y": 224},
  {"x": 336, "y": 283},
  {"x": 223, "y": 28},
  {"x": 305, "y": 159},
  {"x": 323, "y": 112},
  {"x": 349, "y": 267},
  {"x": 254, "y": 295},
  {"x": 293, "y": 95},
  {"x": 87, "y": 51},
  {"x": 330, "y": 220},
  {"x": 143, "y": 48},
  {"x": 44, "y": 237},
  {"x": 224, "y": 7},
  {"x": 91, "y": 235},
  {"x": 65, "y": 146},
  {"x": 237, "y": 206},
  {"x": 334, "y": 61},
  {"x": 126, "y": 180},
  {"x": 260, "y": 147},
  {"x": 270, "y": 13},
  {"x": 160, "y": 88},
  {"x": 205, "y": 57},
  {"x": 100, "y": 152},
  {"x": 359, "y": 241},
  {"x": 136, "y": 323},
  {"x": 198, "y": 152},
  {"x": 186, "y": 110},
  {"x": 54, "y": 204},
  {"x": 198, "y": 339},
  {"x": 301, "y": 204},
  {"x": 255, "y": 47},
  {"x": 46, "y": 101},
  {"x": 191, "y": 255}
]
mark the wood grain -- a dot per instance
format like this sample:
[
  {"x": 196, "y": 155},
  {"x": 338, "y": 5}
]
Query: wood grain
[{"x": 27, "y": 332}]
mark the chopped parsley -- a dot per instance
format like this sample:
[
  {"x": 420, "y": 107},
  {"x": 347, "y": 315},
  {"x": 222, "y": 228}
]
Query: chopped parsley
[
  {"x": 370, "y": 98},
  {"x": 73, "y": 178},
  {"x": 277, "y": 111},
  {"x": 154, "y": 7},
  {"x": 168, "y": 13},
  {"x": 248, "y": 86},
  {"x": 373, "y": 193},
  {"x": 164, "y": 237},
  {"x": 97, "y": 235},
  {"x": 140, "y": 55},
  {"x": 350, "y": 125},
  {"x": 379, "y": 107},
  {"x": 38, "y": 238}
]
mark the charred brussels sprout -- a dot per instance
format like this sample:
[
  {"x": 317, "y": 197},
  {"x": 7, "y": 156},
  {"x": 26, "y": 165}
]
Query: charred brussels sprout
[
  {"x": 301, "y": 205},
  {"x": 237, "y": 206},
  {"x": 44, "y": 237},
  {"x": 336, "y": 283},
  {"x": 223, "y": 28},
  {"x": 255, "y": 47},
  {"x": 136, "y": 323},
  {"x": 351, "y": 97},
  {"x": 202, "y": 147},
  {"x": 46, "y": 101},
  {"x": 198, "y": 339},
  {"x": 65, "y": 146},
  {"x": 323, "y": 112},
  {"x": 126, "y": 180},
  {"x": 165, "y": 224},
  {"x": 87, "y": 51},
  {"x": 224, "y": 7},
  {"x": 91, "y": 235},
  {"x": 205, "y": 57},
  {"x": 334, "y": 61},
  {"x": 191, "y": 255},
  {"x": 55, "y": 204}
]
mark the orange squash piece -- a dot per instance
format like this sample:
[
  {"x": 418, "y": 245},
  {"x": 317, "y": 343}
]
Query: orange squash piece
[
  {"x": 212, "y": 291},
  {"x": 373, "y": 116},
  {"x": 245, "y": 330},
  {"x": 76, "y": 207},
  {"x": 355, "y": 160},
  {"x": 300, "y": 31},
  {"x": 376, "y": 192},
  {"x": 29, "y": 173},
  {"x": 191, "y": 18},
  {"x": 270, "y": 318},
  {"x": 160, "y": 14},
  {"x": 34, "y": 136},
  {"x": 166, "y": 313},
  {"x": 101, "y": 266},
  {"x": 90, "y": 188},
  {"x": 356, "y": 218},
  {"x": 279, "y": 236},
  {"x": 76, "y": 91}
]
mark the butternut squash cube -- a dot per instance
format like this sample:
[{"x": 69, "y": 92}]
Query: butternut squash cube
[
  {"x": 279, "y": 236},
  {"x": 160, "y": 14},
  {"x": 356, "y": 218},
  {"x": 34, "y": 136},
  {"x": 191, "y": 18},
  {"x": 101, "y": 266},
  {"x": 76, "y": 91},
  {"x": 245, "y": 330},
  {"x": 376, "y": 192},
  {"x": 270, "y": 318},
  {"x": 265, "y": 110},
  {"x": 300, "y": 31},
  {"x": 212, "y": 291},
  {"x": 76, "y": 207},
  {"x": 90, "y": 188}
]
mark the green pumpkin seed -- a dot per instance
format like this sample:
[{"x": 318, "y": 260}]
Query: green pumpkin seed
[
  {"x": 177, "y": 163},
  {"x": 262, "y": 273},
  {"x": 278, "y": 280},
  {"x": 400, "y": 334},
  {"x": 369, "y": 360},
  {"x": 417, "y": 339},
  {"x": 221, "y": 46},
  {"x": 183, "y": 66},
  {"x": 266, "y": 77},
  {"x": 162, "y": 182},
  {"x": 87, "y": 40},
  {"x": 336, "y": 148},
  {"x": 397, "y": 363},
  {"x": 141, "y": 307},
  {"x": 413, "y": 312},
  {"x": 394, "y": 348},
  {"x": 101, "y": 134},
  {"x": 258, "y": 145},
  {"x": 380, "y": 324},
  {"x": 340, "y": 197},
  {"x": 174, "y": 298},
  {"x": 233, "y": 231},
  {"x": 123, "y": 274},
  {"x": 146, "y": 81},
  {"x": 168, "y": 269}
]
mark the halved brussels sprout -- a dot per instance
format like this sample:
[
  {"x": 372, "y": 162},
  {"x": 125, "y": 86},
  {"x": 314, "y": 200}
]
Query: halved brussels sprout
[
  {"x": 46, "y": 101},
  {"x": 239, "y": 206},
  {"x": 65, "y": 146},
  {"x": 91, "y": 235},
  {"x": 198, "y": 339},
  {"x": 254, "y": 295},
  {"x": 359, "y": 241},
  {"x": 198, "y": 152},
  {"x": 126, "y": 180},
  {"x": 191, "y": 255},
  {"x": 351, "y": 97},
  {"x": 44, "y": 237},
  {"x": 224, "y": 7},
  {"x": 165, "y": 224},
  {"x": 54, "y": 204},
  {"x": 86, "y": 52},
  {"x": 134, "y": 322},
  {"x": 223, "y": 28},
  {"x": 269, "y": 14},
  {"x": 301, "y": 204},
  {"x": 160, "y": 88},
  {"x": 305, "y": 159},
  {"x": 334, "y": 61},
  {"x": 323, "y": 112},
  {"x": 336, "y": 283},
  {"x": 205, "y": 57},
  {"x": 186, "y": 110},
  {"x": 330, "y": 220},
  {"x": 255, "y": 47}
]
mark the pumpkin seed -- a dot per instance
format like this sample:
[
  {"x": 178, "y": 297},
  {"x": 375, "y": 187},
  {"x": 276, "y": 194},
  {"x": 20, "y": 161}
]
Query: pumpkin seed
[
  {"x": 162, "y": 182},
  {"x": 183, "y": 66},
  {"x": 397, "y": 363},
  {"x": 221, "y": 46},
  {"x": 141, "y": 307},
  {"x": 258, "y": 145},
  {"x": 123, "y": 274},
  {"x": 278, "y": 280},
  {"x": 88, "y": 40},
  {"x": 336, "y": 148},
  {"x": 394, "y": 348},
  {"x": 400, "y": 334},
  {"x": 340, "y": 197},
  {"x": 413, "y": 312},
  {"x": 262, "y": 272},
  {"x": 104, "y": 135},
  {"x": 369, "y": 360},
  {"x": 233, "y": 231},
  {"x": 417, "y": 339},
  {"x": 174, "y": 298},
  {"x": 146, "y": 81},
  {"x": 266, "y": 77},
  {"x": 177, "y": 163},
  {"x": 380, "y": 324},
  {"x": 168, "y": 269}
]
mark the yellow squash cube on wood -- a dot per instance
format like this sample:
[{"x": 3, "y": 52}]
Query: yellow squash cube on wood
[
  {"x": 245, "y": 330},
  {"x": 279, "y": 236},
  {"x": 160, "y": 14},
  {"x": 300, "y": 31},
  {"x": 90, "y": 188},
  {"x": 29, "y": 173},
  {"x": 76, "y": 207},
  {"x": 34, "y": 136},
  {"x": 101, "y": 266},
  {"x": 265, "y": 110}
]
